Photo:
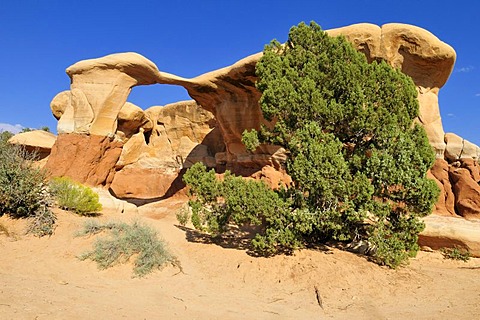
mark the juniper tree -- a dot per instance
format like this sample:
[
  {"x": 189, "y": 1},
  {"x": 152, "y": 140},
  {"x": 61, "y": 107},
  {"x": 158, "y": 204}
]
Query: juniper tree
[
  {"x": 357, "y": 159},
  {"x": 354, "y": 150}
]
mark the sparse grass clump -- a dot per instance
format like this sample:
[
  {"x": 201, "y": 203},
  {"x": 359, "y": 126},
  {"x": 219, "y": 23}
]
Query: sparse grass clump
[
  {"x": 75, "y": 197},
  {"x": 124, "y": 242},
  {"x": 456, "y": 254}
]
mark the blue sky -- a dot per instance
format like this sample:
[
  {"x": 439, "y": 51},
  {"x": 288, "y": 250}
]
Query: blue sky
[{"x": 40, "y": 39}]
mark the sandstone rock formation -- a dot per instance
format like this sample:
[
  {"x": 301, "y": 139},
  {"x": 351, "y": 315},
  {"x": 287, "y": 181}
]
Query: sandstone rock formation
[
  {"x": 86, "y": 159},
  {"x": 98, "y": 92},
  {"x": 159, "y": 142},
  {"x": 459, "y": 148},
  {"x": 447, "y": 232},
  {"x": 38, "y": 141},
  {"x": 104, "y": 140},
  {"x": 446, "y": 201},
  {"x": 182, "y": 134},
  {"x": 100, "y": 88}
]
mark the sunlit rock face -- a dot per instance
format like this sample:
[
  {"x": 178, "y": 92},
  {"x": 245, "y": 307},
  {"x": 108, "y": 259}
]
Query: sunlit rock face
[
  {"x": 156, "y": 144},
  {"x": 182, "y": 134}
]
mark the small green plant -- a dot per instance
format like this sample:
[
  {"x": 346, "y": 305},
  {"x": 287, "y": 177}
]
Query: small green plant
[
  {"x": 456, "y": 253},
  {"x": 75, "y": 197},
  {"x": 124, "y": 242},
  {"x": 250, "y": 140},
  {"x": 183, "y": 215}
]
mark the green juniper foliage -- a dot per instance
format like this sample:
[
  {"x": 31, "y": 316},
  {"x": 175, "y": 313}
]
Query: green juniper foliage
[{"x": 357, "y": 160}]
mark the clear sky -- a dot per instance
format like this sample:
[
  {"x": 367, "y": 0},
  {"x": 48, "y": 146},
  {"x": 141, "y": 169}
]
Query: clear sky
[{"x": 40, "y": 39}]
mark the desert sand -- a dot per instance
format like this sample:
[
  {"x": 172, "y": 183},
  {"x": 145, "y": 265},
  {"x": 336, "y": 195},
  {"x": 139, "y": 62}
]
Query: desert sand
[{"x": 44, "y": 279}]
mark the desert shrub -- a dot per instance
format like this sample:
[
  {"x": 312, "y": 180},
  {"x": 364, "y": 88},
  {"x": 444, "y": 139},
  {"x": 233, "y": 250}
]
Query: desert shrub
[
  {"x": 5, "y": 136},
  {"x": 233, "y": 200},
  {"x": 23, "y": 191},
  {"x": 75, "y": 197},
  {"x": 124, "y": 242},
  {"x": 357, "y": 160},
  {"x": 21, "y": 184},
  {"x": 456, "y": 254},
  {"x": 42, "y": 223}
]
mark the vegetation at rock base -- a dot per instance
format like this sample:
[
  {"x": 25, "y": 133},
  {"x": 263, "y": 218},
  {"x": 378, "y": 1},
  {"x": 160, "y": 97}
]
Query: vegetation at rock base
[
  {"x": 124, "y": 242},
  {"x": 357, "y": 160},
  {"x": 23, "y": 189},
  {"x": 456, "y": 254},
  {"x": 74, "y": 196},
  {"x": 20, "y": 184}
]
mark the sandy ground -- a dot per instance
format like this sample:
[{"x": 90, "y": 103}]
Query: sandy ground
[{"x": 44, "y": 279}]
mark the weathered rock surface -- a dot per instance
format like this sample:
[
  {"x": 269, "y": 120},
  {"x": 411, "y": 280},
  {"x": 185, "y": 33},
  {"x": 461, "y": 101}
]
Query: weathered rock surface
[
  {"x": 38, "y": 141},
  {"x": 85, "y": 158},
  {"x": 459, "y": 148},
  {"x": 99, "y": 90},
  {"x": 446, "y": 200},
  {"x": 448, "y": 232},
  {"x": 467, "y": 193},
  {"x": 182, "y": 134},
  {"x": 130, "y": 119}
]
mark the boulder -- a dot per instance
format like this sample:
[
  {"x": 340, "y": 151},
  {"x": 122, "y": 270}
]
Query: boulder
[
  {"x": 467, "y": 193},
  {"x": 87, "y": 159},
  {"x": 38, "y": 141},
  {"x": 449, "y": 232},
  {"x": 59, "y": 103},
  {"x": 459, "y": 148},
  {"x": 131, "y": 118},
  {"x": 145, "y": 184}
]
